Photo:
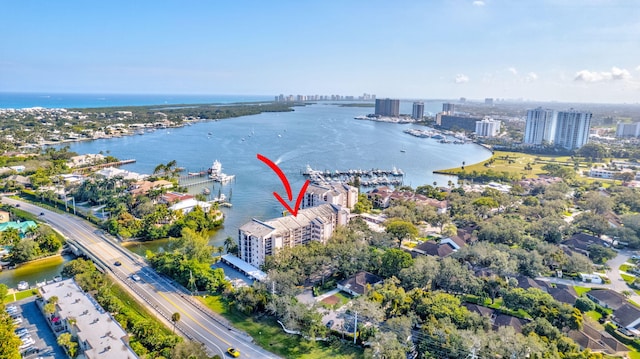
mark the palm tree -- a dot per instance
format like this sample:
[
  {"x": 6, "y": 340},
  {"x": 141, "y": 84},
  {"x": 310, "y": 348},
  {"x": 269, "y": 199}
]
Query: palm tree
[
  {"x": 175, "y": 318},
  {"x": 229, "y": 243}
]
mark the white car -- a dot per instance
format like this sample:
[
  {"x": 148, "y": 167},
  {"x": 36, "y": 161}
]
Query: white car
[{"x": 135, "y": 277}]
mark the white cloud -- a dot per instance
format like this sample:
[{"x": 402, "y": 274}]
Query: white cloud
[
  {"x": 461, "y": 78},
  {"x": 531, "y": 76},
  {"x": 478, "y": 3},
  {"x": 595, "y": 76},
  {"x": 513, "y": 70}
]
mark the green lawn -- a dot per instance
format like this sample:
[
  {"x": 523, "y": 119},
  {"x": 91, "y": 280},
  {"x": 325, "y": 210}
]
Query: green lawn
[
  {"x": 626, "y": 267},
  {"x": 581, "y": 290},
  {"x": 594, "y": 315},
  {"x": 627, "y": 278},
  {"x": 269, "y": 334},
  {"x": 634, "y": 355},
  {"x": 19, "y": 295}
]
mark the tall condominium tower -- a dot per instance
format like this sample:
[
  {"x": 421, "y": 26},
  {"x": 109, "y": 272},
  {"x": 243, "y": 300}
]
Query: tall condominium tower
[
  {"x": 418, "y": 110},
  {"x": 540, "y": 126},
  {"x": 448, "y": 108},
  {"x": 388, "y": 107},
  {"x": 572, "y": 129}
]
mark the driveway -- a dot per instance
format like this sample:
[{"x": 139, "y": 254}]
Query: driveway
[{"x": 617, "y": 283}]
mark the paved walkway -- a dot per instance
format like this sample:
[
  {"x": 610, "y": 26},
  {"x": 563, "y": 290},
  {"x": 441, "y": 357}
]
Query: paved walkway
[{"x": 327, "y": 294}]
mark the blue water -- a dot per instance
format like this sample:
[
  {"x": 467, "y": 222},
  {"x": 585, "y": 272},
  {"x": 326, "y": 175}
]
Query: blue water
[
  {"x": 57, "y": 100},
  {"x": 323, "y": 135}
]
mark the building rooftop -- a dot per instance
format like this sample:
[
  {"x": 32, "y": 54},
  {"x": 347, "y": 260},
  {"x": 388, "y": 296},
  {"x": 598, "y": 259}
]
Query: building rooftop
[{"x": 100, "y": 336}]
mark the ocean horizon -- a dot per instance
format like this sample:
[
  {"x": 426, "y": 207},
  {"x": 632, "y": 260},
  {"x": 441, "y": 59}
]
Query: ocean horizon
[{"x": 20, "y": 100}]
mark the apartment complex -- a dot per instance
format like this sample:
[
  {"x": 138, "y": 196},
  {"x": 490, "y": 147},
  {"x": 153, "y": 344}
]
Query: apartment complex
[
  {"x": 387, "y": 107},
  {"x": 258, "y": 239},
  {"x": 457, "y": 122},
  {"x": 336, "y": 193},
  {"x": 488, "y": 127},
  {"x": 99, "y": 335},
  {"x": 572, "y": 129},
  {"x": 628, "y": 130},
  {"x": 418, "y": 110},
  {"x": 540, "y": 126},
  {"x": 568, "y": 129}
]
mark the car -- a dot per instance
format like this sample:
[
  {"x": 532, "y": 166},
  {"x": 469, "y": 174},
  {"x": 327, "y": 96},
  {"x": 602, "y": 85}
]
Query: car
[
  {"x": 42, "y": 213},
  {"x": 17, "y": 204},
  {"x": 135, "y": 277},
  {"x": 330, "y": 324},
  {"x": 233, "y": 352},
  {"x": 117, "y": 263}
]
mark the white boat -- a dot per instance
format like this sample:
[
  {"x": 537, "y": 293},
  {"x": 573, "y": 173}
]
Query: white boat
[
  {"x": 206, "y": 190},
  {"x": 23, "y": 285},
  {"x": 215, "y": 173}
]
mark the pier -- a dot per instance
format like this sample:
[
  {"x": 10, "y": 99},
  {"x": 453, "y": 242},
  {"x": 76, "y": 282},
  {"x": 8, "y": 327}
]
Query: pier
[
  {"x": 103, "y": 165},
  {"x": 368, "y": 178}
]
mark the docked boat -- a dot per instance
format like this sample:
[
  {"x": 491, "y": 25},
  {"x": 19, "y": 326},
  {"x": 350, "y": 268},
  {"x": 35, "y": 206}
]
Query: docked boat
[
  {"x": 215, "y": 173},
  {"x": 206, "y": 191},
  {"x": 23, "y": 285}
]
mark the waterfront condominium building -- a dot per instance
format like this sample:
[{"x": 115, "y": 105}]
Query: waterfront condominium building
[
  {"x": 572, "y": 129},
  {"x": 418, "y": 110},
  {"x": 488, "y": 127},
  {"x": 387, "y": 107},
  {"x": 258, "y": 239},
  {"x": 540, "y": 126},
  {"x": 628, "y": 129},
  {"x": 337, "y": 193}
]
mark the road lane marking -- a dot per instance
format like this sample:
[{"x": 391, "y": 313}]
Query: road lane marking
[{"x": 192, "y": 318}]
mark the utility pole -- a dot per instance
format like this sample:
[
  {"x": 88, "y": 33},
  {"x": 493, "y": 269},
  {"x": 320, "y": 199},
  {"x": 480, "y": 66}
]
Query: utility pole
[{"x": 355, "y": 329}]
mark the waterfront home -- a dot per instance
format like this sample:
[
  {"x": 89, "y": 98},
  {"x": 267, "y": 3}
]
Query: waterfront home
[
  {"x": 22, "y": 227},
  {"x": 85, "y": 160},
  {"x": 188, "y": 205},
  {"x": 144, "y": 186}
]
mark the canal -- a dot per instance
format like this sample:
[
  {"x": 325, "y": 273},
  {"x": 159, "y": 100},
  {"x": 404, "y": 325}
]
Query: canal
[{"x": 35, "y": 271}]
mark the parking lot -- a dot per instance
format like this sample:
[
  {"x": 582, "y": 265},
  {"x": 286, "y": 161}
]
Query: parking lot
[{"x": 38, "y": 339}]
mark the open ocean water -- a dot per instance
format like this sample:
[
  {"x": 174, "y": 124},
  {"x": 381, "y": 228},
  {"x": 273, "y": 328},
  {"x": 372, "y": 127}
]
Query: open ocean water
[{"x": 69, "y": 100}]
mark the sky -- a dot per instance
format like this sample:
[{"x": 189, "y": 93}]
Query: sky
[{"x": 538, "y": 50}]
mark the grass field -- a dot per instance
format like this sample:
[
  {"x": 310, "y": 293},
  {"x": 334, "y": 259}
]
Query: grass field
[
  {"x": 515, "y": 162},
  {"x": 269, "y": 335},
  {"x": 627, "y": 278},
  {"x": 581, "y": 290},
  {"x": 19, "y": 295}
]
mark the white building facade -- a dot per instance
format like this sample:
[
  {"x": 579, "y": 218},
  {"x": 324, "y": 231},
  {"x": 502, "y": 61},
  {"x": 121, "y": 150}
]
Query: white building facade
[
  {"x": 572, "y": 129},
  {"x": 258, "y": 239},
  {"x": 628, "y": 129},
  {"x": 540, "y": 126},
  {"x": 337, "y": 193},
  {"x": 488, "y": 127}
]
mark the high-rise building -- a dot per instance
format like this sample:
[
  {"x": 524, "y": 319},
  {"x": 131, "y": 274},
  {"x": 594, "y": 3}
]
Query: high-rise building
[
  {"x": 488, "y": 127},
  {"x": 488, "y": 101},
  {"x": 572, "y": 129},
  {"x": 418, "y": 110},
  {"x": 540, "y": 127},
  {"x": 387, "y": 107},
  {"x": 628, "y": 129},
  {"x": 448, "y": 108}
]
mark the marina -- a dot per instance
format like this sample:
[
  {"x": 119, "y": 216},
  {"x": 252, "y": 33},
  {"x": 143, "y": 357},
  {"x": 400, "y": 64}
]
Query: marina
[{"x": 368, "y": 178}]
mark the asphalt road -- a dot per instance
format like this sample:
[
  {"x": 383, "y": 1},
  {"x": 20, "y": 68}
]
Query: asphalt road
[{"x": 196, "y": 321}]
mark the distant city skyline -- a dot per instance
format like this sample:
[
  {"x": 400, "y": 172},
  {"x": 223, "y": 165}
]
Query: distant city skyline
[{"x": 548, "y": 50}]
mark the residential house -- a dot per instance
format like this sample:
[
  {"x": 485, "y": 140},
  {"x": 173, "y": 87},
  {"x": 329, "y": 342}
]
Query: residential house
[
  {"x": 580, "y": 243},
  {"x": 359, "y": 283},
  {"x": 143, "y": 187},
  {"x": 607, "y": 298},
  {"x": 380, "y": 197},
  {"x": 188, "y": 205},
  {"x": 85, "y": 160},
  {"x": 597, "y": 341},
  {"x": 627, "y": 318},
  {"x": 432, "y": 248},
  {"x": 22, "y": 227}
]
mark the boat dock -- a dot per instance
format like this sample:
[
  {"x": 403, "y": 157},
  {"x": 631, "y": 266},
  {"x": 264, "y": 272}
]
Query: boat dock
[{"x": 368, "y": 178}]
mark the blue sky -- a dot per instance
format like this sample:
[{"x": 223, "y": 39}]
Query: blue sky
[{"x": 564, "y": 50}]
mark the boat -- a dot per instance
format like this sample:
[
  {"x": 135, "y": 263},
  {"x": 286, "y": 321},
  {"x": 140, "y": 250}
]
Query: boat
[
  {"x": 23, "y": 285},
  {"x": 206, "y": 191},
  {"x": 215, "y": 173},
  {"x": 403, "y": 151}
]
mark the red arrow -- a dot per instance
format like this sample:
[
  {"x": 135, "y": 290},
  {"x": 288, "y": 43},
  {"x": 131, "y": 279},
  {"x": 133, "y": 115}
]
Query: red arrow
[{"x": 287, "y": 186}]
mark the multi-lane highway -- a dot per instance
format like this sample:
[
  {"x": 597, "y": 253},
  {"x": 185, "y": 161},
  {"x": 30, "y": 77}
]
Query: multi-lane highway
[{"x": 159, "y": 294}]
